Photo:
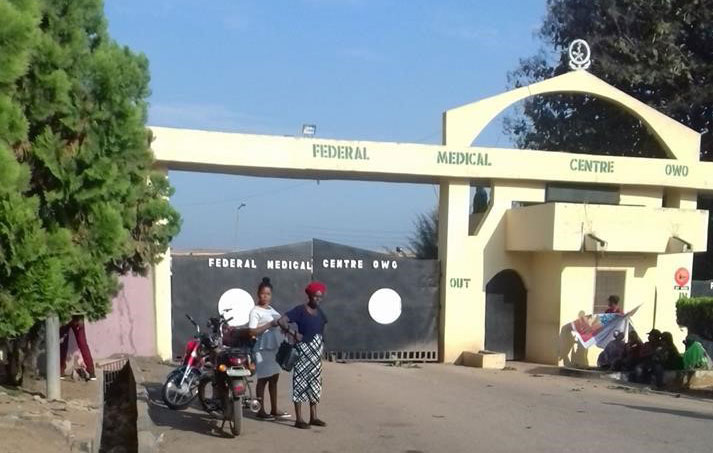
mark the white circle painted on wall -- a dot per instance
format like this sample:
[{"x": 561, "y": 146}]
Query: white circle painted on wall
[
  {"x": 385, "y": 306},
  {"x": 239, "y": 303}
]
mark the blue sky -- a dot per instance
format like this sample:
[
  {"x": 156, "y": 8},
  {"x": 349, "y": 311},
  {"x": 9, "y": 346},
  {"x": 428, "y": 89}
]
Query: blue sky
[{"x": 376, "y": 70}]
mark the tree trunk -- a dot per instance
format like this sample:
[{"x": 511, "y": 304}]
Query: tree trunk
[
  {"x": 13, "y": 368},
  {"x": 34, "y": 341},
  {"x": 22, "y": 354}
]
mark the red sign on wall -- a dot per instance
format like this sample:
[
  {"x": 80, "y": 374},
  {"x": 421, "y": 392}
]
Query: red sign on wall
[{"x": 682, "y": 276}]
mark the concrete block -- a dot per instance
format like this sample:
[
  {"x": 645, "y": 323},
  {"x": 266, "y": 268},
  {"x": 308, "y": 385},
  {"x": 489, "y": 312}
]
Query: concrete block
[
  {"x": 701, "y": 380},
  {"x": 484, "y": 359}
]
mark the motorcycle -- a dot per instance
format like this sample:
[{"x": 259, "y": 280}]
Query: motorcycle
[
  {"x": 182, "y": 384},
  {"x": 229, "y": 391}
]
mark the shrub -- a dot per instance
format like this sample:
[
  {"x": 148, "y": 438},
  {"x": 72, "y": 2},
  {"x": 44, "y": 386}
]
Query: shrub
[{"x": 696, "y": 313}]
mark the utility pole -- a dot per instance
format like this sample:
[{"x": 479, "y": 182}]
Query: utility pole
[{"x": 237, "y": 222}]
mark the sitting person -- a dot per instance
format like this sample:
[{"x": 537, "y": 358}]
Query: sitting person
[
  {"x": 612, "y": 356},
  {"x": 651, "y": 361},
  {"x": 633, "y": 351},
  {"x": 695, "y": 357},
  {"x": 671, "y": 358}
]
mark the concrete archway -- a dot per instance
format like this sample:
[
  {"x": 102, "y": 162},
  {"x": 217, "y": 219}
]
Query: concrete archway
[{"x": 465, "y": 123}]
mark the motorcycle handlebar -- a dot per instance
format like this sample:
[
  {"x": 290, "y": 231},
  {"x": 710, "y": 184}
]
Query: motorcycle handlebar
[{"x": 193, "y": 322}]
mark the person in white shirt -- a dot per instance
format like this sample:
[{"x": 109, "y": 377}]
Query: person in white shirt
[{"x": 263, "y": 325}]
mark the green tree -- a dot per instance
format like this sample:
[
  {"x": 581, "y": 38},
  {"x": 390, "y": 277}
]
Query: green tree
[
  {"x": 480, "y": 200},
  {"x": 423, "y": 243},
  {"x": 659, "y": 51},
  {"x": 82, "y": 103}
]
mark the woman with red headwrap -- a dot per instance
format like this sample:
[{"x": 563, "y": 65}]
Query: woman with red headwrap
[{"x": 307, "y": 374}]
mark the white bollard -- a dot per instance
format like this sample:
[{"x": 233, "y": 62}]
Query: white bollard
[{"x": 52, "y": 347}]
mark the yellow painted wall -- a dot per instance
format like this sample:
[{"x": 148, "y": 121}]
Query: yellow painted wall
[
  {"x": 564, "y": 227},
  {"x": 543, "y": 308},
  {"x": 162, "y": 301},
  {"x": 667, "y": 294},
  {"x": 478, "y": 257},
  {"x": 460, "y": 312},
  {"x": 641, "y": 196},
  {"x": 577, "y": 295}
]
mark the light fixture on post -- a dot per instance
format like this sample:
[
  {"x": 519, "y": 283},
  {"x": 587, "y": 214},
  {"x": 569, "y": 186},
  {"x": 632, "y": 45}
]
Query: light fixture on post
[
  {"x": 677, "y": 245},
  {"x": 593, "y": 243},
  {"x": 237, "y": 221},
  {"x": 308, "y": 130}
]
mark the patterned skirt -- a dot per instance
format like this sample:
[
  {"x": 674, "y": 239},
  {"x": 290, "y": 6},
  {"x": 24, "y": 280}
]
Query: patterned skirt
[{"x": 307, "y": 374}]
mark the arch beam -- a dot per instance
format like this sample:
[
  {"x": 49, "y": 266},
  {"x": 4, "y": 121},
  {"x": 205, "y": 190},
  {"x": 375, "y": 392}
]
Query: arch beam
[{"x": 462, "y": 125}]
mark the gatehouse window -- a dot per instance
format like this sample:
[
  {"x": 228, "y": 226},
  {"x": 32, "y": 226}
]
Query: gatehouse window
[
  {"x": 608, "y": 282},
  {"x": 579, "y": 193}
]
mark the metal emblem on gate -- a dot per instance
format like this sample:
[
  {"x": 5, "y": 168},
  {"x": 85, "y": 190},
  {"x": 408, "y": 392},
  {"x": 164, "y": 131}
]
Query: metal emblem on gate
[{"x": 579, "y": 55}]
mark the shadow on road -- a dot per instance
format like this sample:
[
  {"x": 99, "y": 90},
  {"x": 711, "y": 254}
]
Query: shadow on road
[
  {"x": 662, "y": 410},
  {"x": 543, "y": 370},
  {"x": 194, "y": 418}
]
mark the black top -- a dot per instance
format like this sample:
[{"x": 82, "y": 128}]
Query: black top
[{"x": 307, "y": 324}]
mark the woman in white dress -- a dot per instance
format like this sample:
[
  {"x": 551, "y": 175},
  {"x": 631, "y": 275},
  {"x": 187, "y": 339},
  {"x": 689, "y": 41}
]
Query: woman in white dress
[{"x": 263, "y": 325}]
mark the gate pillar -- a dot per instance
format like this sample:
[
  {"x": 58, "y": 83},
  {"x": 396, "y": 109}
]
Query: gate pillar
[
  {"x": 460, "y": 329},
  {"x": 162, "y": 304}
]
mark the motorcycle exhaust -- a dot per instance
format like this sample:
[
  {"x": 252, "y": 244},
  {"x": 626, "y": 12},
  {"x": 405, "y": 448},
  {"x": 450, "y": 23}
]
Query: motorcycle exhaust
[{"x": 255, "y": 406}]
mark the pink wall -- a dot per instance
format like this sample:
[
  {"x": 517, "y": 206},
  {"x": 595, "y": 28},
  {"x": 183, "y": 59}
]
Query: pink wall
[{"x": 128, "y": 329}]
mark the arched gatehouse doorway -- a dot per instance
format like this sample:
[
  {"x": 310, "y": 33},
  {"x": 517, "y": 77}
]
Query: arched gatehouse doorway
[{"x": 506, "y": 315}]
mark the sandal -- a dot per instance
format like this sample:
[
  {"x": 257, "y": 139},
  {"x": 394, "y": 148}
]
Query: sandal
[
  {"x": 281, "y": 415},
  {"x": 265, "y": 416},
  {"x": 302, "y": 425},
  {"x": 317, "y": 422}
]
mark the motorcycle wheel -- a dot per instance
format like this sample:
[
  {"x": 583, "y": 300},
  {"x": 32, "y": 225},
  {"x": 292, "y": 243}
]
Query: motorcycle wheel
[
  {"x": 175, "y": 396},
  {"x": 236, "y": 421}
]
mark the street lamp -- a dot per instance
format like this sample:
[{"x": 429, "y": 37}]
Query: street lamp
[{"x": 237, "y": 221}]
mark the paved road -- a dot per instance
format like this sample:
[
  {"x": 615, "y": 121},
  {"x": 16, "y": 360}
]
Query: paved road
[{"x": 442, "y": 408}]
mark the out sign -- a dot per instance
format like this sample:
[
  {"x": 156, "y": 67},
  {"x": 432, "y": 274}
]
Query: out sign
[{"x": 459, "y": 282}]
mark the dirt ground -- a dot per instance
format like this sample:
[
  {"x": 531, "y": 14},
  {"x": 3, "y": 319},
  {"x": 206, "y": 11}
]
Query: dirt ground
[
  {"x": 32, "y": 439},
  {"x": 445, "y": 408},
  {"x": 31, "y": 424}
]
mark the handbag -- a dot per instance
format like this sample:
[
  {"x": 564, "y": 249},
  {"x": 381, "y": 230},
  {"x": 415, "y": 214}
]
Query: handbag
[{"x": 287, "y": 356}]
